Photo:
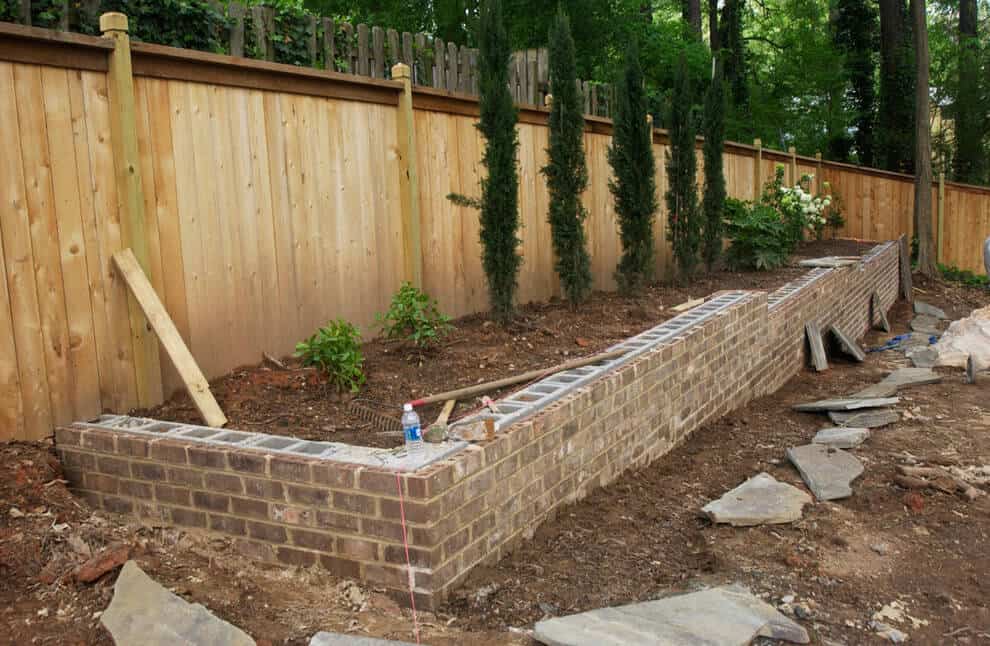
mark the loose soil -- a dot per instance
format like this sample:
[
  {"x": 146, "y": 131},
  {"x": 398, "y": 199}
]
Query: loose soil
[
  {"x": 640, "y": 538},
  {"x": 299, "y": 403}
]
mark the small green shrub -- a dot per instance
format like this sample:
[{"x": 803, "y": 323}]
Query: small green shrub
[
  {"x": 412, "y": 316},
  {"x": 759, "y": 238},
  {"x": 335, "y": 350},
  {"x": 964, "y": 276}
]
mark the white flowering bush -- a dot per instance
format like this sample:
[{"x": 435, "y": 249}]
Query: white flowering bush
[{"x": 799, "y": 204}]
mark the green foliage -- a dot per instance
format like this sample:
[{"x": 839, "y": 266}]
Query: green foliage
[
  {"x": 684, "y": 221},
  {"x": 190, "y": 24},
  {"x": 735, "y": 58},
  {"x": 759, "y": 239},
  {"x": 971, "y": 115},
  {"x": 412, "y": 316},
  {"x": 335, "y": 350},
  {"x": 963, "y": 276},
  {"x": 633, "y": 185},
  {"x": 713, "y": 201},
  {"x": 857, "y": 35},
  {"x": 566, "y": 170},
  {"x": 895, "y": 132},
  {"x": 499, "y": 189}
]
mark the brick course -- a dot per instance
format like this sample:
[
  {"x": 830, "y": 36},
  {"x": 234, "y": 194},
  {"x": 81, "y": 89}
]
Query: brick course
[{"x": 476, "y": 505}]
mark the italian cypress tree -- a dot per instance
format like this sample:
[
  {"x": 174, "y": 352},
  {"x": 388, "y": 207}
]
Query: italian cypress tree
[
  {"x": 566, "y": 170},
  {"x": 500, "y": 188},
  {"x": 714, "y": 198},
  {"x": 684, "y": 223},
  {"x": 633, "y": 169}
]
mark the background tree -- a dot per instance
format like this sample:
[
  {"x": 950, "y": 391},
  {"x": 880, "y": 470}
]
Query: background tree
[
  {"x": 713, "y": 202},
  {"x": 896, "y": 146},
  {"x": 684, "y": 225},
  {"x": 566, "y": 170},
  {"x": 500, "y": 187},
  {"x": 971, "y": 116},
  {"x": 691, "y": 12},
  {"x": 857, "y": 37},
  {"x": 733, "y": 50},
  {"x": 923, "y": 163},
  {"x": 633, "y": 170}
]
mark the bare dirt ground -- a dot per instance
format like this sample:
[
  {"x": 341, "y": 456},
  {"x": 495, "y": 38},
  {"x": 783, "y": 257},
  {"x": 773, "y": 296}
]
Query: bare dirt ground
[
  {"x": 299, "y": 403},
  {"x": 638, "y": 539}
]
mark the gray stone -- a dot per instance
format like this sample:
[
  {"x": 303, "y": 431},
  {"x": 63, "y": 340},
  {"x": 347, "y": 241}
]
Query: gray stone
[
  {"x": 901, "y": 378},
  {"x": 143, "y": 613},
  {"x": 848, "y": 344},
  {"x": 761, "y": 500},
  {"x": 850, "y": 403},
  {"x": 828, "y": 261},
  {"x": 337, "y": 639},
  {"x": 841, "y": 437},
  {"x": 827, "y": 472},
  {"x": 923, "y": 357},
  {"x": 925, "y": 324},
  {"x": 929, "y": 310},
  {"x": 723, "y": 616},
  {"x": 873, "y": 418}
]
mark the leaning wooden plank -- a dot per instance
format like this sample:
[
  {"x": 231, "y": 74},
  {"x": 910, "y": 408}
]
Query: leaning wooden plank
[
  {"x": 175, "y": 347},
  {"x": 818, "y": 357},
  {"x": 849, "y": 346},
  {"x": 878, "y": 312}
]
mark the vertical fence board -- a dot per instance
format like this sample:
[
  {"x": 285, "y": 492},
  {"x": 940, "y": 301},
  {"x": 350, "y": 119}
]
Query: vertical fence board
[
  {"x": 363, "y": 51},
  {"x": 347, "y": 48},
  {"x": 377, "y": 53},
  {"x": 235, "y": 11}
]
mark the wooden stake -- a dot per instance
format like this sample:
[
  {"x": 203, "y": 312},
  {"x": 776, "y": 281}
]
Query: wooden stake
[
  {"x": 144, "y": 294},
  {"x": 130, "y": 197},
  {"x": 408, "y": 178}
]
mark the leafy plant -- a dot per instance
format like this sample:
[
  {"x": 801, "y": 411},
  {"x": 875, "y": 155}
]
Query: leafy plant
[
  {"x": 335, "y": 350},
  {"x": 759, "y": 238},
  {"x": 963, "y": 276},
  {"x": 414, "y": 317}
]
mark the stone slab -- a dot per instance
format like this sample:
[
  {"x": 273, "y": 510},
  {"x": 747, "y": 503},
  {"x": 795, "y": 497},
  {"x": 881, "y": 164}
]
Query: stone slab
[
  {"x": 849, "y": 403},
  {"x": 925, "y": 325},
  {"x": 761, "y": 500},
  {"x": 848, "y": 344},
  {"x": 323, "y": 638},
  {"x": 841, "y": 437},
  {"x": 828, "y": 262},
  {"x": 827, "y": 472},
  {"x": 865, "y": 418},
  {"x": 723, "y": 616},
  {"x": 143, "y": 613},
  {"x": 929, "y": 310},
  {"x": 818, "y": 357},
  {"x": 924, "y": 357},
  {"x": 878, "y": 312},
  {"x": 900, "y": 378}
]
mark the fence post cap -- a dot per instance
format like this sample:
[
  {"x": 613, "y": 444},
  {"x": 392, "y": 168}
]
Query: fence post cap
[
  {"x": 757, "y": 142},
  {"x": 548, "y": 100},
  {"x": 818, "y": 155},
  {"x": 113, "y": 21},
  {"x": 791, "y": 149},
  {"x": 400, "y": 71}
]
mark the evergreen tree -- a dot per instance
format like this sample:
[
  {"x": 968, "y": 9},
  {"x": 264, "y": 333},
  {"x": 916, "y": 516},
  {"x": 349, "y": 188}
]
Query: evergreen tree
[
  {"x": 684, "y": 223},
  {"x": 856, "y": 37},
  {"x": 633, "y": 169},
  {"x": 500, "y": 188},
  {"x": 714, "y": 197},
  {"x": 733, "y": 52},
  {"x": 566, "y": 170}
]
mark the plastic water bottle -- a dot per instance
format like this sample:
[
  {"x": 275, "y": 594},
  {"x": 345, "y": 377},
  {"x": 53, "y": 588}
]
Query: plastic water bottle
[{"x": 412, "y": 431}]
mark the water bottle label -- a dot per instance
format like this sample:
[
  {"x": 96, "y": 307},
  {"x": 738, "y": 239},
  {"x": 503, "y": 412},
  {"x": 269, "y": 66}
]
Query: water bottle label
[{"x": 413, "y": 433}]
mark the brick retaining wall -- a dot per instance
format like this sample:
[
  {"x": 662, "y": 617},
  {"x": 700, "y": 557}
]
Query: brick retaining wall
[{"x": 474, "y": 506}]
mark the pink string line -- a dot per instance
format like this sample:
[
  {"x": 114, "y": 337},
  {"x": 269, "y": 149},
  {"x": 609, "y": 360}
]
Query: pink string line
[{"x": 405, "y": 542}]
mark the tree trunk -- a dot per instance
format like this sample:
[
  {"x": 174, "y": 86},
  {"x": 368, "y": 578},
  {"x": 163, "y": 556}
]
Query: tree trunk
[
  {"x": 713, "y": 25},
  {"x": 969, "y": 124},
  {"x": 923, "y": 153},
  {"x": 691, "y": 11}
]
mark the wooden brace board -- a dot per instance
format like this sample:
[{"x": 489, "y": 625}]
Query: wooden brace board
[{"x": 161, "y": 323}]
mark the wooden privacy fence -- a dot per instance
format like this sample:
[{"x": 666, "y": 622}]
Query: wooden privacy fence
[{"x": 263, "y": 200}]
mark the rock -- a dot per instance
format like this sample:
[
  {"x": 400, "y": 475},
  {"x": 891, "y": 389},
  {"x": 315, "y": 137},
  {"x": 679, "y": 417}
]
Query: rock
[
  {"x": 925, "y": 357},
  {"x": 337, "y": 639},
  {"x": 925, "y": 325},
  {"x": 107, "y": 559},
  {"x": 888, "y": 632},
  {"x": 761, "y": 500},
  {"x": 723, "y": 616},
  {"x": 929, "y": 310},
  {"x": 144, "y": 613},
  {"x": 872, "y": 418},
  {"x": 842, "y": 437},
  {"x": 901, "y": 378},
  {"x": 851, "y": 403},
  {"x": 827, "y": 472},
  {"x": 968, "y": 337}
]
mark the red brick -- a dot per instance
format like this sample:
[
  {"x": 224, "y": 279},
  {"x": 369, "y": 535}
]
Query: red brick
[
  {"x": 118, "y": 505},
  {"x": 188, "y": 517},
  {"x": 100, "y": 482},
  {"x": 456, "y": 542},
  {"x": 343, "y": 568},
  {"x": 228, "y": 525},
  {"x": 382, "y": 529},
  {"x": 248, "y": 462},
  {"x": 341, "y": 476},
  {"x": 309, "y": 496},
  {"x": 136, "y": 447},
  {"x": 172, "y": 495},
  {"x": 357, "y": 548},
  {"x": 417, "y": 557},
  {"x": 415, "y": 512},
  {"x": 208, "y": 458},
  {"x": 266, "y": 532},
  {"x": 255, "y": 550},
  {"x": 312, "y": 540},
  {"x": 168, "y": 451},
  {"x": 264, "y": 488},
  {"x": 379, "y": 482},
  {"x": 135, "y": 489},
  {"x": 334, "y": 520},
  {"x": 98, "y": 440},
  {"x": 67, "y": 436},
  {"x": 354, "y": 502},
  {"x": 77, "y": 460},
  {"x": 286, "y": 468},
  {"x": 224, "y": 482},
  {"x": 186, "y": 477},
  {"x": 249, "y": 507},
  {"x": 296, "y": 558},
  {"x": 211, "y": 501},
  {"x": 148, "y": 471},
  {"x": 291, "y": 515},
  {"x": 389, "y": 576}
]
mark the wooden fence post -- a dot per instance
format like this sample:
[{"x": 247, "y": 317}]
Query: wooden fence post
[
  {"x": 130, "y": 197},
  {"x": 758, "y": 170},
  {"x": 941, "y": 215},
  {"x": 792, "y": 151},
  {"x": 408, "y": 178}
]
